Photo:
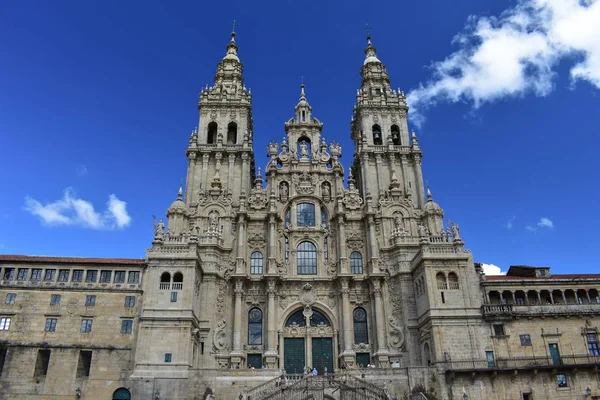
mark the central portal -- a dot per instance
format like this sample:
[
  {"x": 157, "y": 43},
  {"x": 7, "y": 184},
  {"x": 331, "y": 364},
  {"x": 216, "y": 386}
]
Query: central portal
[{"x": 308, "y": 341}]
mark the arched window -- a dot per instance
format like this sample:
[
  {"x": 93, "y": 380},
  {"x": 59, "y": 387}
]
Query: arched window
[
  {"x": 426, "y": 354},
  {"x": 441, "y": 281},
  {"x": 317, "y": 318},
  {"x": 395, "y": 134},
  {"x": 356, "y": 263},
  {"x": 165, "y": 277},
  {"x": 453, "y": 281},
  {"x": 305, "y": 214},
  {"x": 178, "y": 277},
  {"x": 212, "y": 133},
  {"x": 361, "y": 333},
  {"x": 255, "y": 326},
  {"x": 121, "y": 394},
  {"x": 377, "y": 139},
  {"x": 307, "y": 259},
  {"x": 256, "y": 263},
  {"x": 232, "y": 133}
]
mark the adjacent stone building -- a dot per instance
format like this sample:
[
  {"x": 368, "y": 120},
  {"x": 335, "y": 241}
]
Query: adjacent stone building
[{"x": 260, "y": 271}]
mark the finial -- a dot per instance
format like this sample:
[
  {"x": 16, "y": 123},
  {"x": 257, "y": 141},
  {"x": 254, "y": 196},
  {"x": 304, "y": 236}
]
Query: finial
[
  {"x": 180, "y": 192},
  {"x": 414, "y": 136},
  {"x": 233, "y": 25},
  {"x": 429, "y": 197},
  {"x": 368, "y": 29}
]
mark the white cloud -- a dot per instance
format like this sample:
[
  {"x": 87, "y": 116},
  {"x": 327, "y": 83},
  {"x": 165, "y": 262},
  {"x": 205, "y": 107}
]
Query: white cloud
[
  {"x": 543, "y": 223},
  {"x": 81, "y": 170},
  {"x": 73, "y": 211},
  {"x": 515, "y": 54},
  {"x": 491, "y": 269},
  {"x": 509, "y": 223}
]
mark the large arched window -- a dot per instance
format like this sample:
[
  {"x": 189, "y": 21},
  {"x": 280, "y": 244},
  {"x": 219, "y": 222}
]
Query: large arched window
[
  {"x": 256, "y": 263},
  {"x": 361, "y": 333},
  {"x": 317, "y": 318},
  {"x": 212, "y": 133},
  {"x": 356, "y": 263},
  {"x": 307, "y": 259},
  {"x": 377, "y": 139},
  {"x": 232, "y": 133},
  {"x": 255, "y": 327},
  {"x": 395, "y": 134},
  {"x": 121, "y": 394},
  {"x": 305, "y": 214}
]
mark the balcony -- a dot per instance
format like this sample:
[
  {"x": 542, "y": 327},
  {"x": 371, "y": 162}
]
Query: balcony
[
  {"x": 523, "y": 363},
  {"x": 508, "y": 311}
]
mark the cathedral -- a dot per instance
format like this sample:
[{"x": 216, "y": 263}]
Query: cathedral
[{"x": 297, "y": 279}]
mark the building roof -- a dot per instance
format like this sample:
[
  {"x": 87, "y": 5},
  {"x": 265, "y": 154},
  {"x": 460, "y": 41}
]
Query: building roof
[
  {"x": 541, "y": 278},
  {"x": 70, "y": 260}
]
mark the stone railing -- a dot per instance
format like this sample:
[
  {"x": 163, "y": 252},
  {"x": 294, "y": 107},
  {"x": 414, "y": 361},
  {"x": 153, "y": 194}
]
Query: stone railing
[
  {"x": 71, "y": 285},
  {"x": 494, "y": 310},
  {"x": 497, "y": 309},
  {"x": 523, "y": 363}
]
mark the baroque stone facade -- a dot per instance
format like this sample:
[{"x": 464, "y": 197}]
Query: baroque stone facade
[{"x": 260, "y": 271}]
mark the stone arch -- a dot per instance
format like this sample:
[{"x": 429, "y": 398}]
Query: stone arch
[
  {"x": 178, "y": 277},
  {"x": 426, "y": 353},
  {"x": 321, "y": 307},
  {"x": 377, "y": 135},
  {"x": 165, "y": 277},
  {"x": 395, "y": 130},
  {"x": 232, "y": 133},
  {"x": 442, "y": 283},
  {"x": 121, "y": 394},
  {"x": 453, "y": 281},
  {"x": 211, "y": 132}
]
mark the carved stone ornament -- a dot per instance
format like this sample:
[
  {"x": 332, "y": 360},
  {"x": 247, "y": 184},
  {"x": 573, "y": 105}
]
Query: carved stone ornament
[
  {"x": 220, "y": 336},
  {"x": 258, "y": 198},
  {"x": 257, "y": 241},
  {"x": 355, "y": 242},
  {"x": 352, "y": 199},
  {"x": 305, "y": 183},
  {"x": 307, "y": 296},
  {"x": 396, "y": 337},
  {"x": 215, "y": 196}
]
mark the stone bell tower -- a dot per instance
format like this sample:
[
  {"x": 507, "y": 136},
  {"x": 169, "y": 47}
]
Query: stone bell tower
[{"x": 386, "y": 157}]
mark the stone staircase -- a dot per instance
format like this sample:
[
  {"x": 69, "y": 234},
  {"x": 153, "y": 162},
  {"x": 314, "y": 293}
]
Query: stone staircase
[{"x": 307, "y": 387}]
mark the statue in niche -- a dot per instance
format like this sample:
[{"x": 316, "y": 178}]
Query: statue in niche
[
  {"x": 283, "y": 190},
  {"x": 326, "y": 190},
  {"x": 303, "y": 149},
  {"x": 213, "y": 219}
]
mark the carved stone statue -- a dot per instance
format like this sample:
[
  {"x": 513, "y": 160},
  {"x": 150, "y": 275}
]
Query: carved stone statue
[
  {"x": 159, "y": 229},
  {"x": 398, "y": 221},
  {"x": 455, "y": 231},
  {"x": 422, "y": 231},
  {"x": 326, "y": 190},
  {"x": 303, "y": 149},
  {"x": 283, "y": 190},
  {"x": 213, "y": 219}
]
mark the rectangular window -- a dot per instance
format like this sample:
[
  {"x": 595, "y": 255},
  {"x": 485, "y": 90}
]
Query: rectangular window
[
  {"x": 41, "y": 363},
  {"x": 525, "y": 340},
  {"x": 561, "y": 381},
  {"x": 77, "y": 275},
  {"x": 22, "y": 275},
  {"x": 90, "y": 300},
  {"x": 2, "y": 359},
  {"x": 4, "y": 323},
  {"x": 105, "y": 276},
  {"x": 173, "y": 297},
  {"x": 86, "y": 326},
  {"x": 134, "y": 277},
  {"x": 50, "y": 275},
  {"x": 168, "y": 357},
  {"x": 63, "y": 275},
  {"x": 10, "y": 298},
  {"x": 119, "y": 276},
  {"x": 254, "y": 361},
  {"x": 305, "y": 214},
  {"x": 526, "y": 396},
  {"x": 9, "y": 274},
  {"x": 50, "y": 325},
  {"x": 55, "y": 299},
  {"x": 126, "y": 326},
  {"x": 491, "y": 360},
  {"x": 36, "y": 274},
  {"x": 91, "y": 276},
  {"x": 499, "y": 330},
  {"x": 592, "y": 340},
  {"x": 84, "y": 364},
  {"x": 129, "y": 301}
]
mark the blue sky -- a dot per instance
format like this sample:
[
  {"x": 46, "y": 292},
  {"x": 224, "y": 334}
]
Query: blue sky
[{"x": 97, "y": 101}]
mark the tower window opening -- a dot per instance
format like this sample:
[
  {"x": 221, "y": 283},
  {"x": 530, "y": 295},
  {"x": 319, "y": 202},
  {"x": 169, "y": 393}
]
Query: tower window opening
[
  {"x": 377, "y": 140},
  {"x": 378, "y": 92},
  {"x": 303, "y": 116},
  {"x": 395, "y": 134},
  {"x": 212, "y": 133},
  {"x": 232, "y": 133}
]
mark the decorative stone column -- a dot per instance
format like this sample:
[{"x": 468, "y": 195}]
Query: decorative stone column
[
  {"x": 245, "y": 173},
  {"x": 240, "y": 263},
  {"x": 348, "y": 355},
  {"x": 189, "y": 190},
  {"x": 419, "y": 178},
  {"x": 230, "y": 172},
  {"x": 382, "y": 354},
  {"x": 205, "y": 158},
  {"x": 342, "y": 245},
  {"x": 272, "y": 263},
  {"x": 281, "y": 350},
  {"x": 308, "y": 347},
  {"x": 271, "y": 354},
  {"x": 237, "y": 357}
]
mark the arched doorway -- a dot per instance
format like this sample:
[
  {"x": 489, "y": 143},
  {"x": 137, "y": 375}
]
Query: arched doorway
[
  {"x": 121, "y": 394},
  {"x": 308, "y": 342}
]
